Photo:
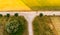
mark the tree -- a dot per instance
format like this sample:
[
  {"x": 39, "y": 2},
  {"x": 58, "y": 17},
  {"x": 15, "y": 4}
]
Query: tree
[
  {"x": 7, "y": 15},
  {"x": 16, "y": 14},
  {"x": 41, "y": 14},
  {"x": 1, "y": 15}
]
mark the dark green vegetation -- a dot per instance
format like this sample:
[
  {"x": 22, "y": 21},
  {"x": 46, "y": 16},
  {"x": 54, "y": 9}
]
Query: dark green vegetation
[
  {"x": 16, "y": 26},
  {"x": 41, "y": 14},
  {"x": 7, "y": 15},
  {"x": 1, "y": 15},
  {"x": 16, "y": 14},
  {"x": 41, "y": 26},
  {"x": 12, "y": 25}
]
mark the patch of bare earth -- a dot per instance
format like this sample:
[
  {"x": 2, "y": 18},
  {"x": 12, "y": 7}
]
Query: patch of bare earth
[{"x": 56, "y": 23}]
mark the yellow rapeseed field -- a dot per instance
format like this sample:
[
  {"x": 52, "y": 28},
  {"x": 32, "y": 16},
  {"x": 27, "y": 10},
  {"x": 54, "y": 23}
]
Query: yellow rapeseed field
[{"x": 12, "y": 5}]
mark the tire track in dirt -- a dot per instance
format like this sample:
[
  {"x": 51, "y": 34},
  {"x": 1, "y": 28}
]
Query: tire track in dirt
[{"x": 56, "y": 23}]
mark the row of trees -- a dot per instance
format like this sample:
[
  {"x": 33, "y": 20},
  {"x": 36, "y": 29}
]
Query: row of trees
[
  {"x": 41, "y": 14},
  {"x": 8, "y": 15},
  {"x": 16, "y": 14}
]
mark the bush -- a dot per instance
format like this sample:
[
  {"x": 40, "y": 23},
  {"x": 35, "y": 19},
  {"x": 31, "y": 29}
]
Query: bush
[
  {"x": 16, "y": 14},
  {"x": 7, "y": 15},
  {"x": 12, "y": 26},
  {"x": 41, "y": 14},
  {"x": 1, "y": 15}
]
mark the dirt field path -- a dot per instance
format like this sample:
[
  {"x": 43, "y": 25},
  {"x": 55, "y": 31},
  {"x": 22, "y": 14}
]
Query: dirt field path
[{"x": 56, "y": 23}]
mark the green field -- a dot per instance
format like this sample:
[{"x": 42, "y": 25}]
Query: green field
[
  {"x": 46, "y": 8},
  {"x": 43, "y": 4},
  {"x": 22, "y": 29},
  {"x": 41, "y": 26}
]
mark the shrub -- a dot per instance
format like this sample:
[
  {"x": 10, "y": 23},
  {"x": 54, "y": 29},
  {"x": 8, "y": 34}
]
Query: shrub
[
  {"x": 16, "y": 14},
  {"x": 12, "y": 26},
  {"x": 41, "y": 14},
  {"x": 1, "y": 15},
  {"x": 7, "y": 15}
]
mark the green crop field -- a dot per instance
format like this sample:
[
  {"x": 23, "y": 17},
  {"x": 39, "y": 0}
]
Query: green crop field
[{"x": 42, "y": 26}]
